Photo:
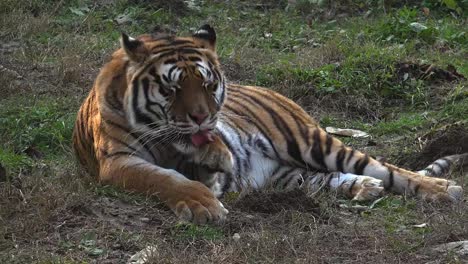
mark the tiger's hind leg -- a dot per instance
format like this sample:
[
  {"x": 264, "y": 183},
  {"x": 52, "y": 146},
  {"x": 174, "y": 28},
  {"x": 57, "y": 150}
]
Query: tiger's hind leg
[
  {"x": 365, "y": 188},
  {"x": 352, "y": 186},
  {"x": 328, "y": 153}
]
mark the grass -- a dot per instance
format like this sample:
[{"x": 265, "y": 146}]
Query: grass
[{"x": 340, "y": 60}]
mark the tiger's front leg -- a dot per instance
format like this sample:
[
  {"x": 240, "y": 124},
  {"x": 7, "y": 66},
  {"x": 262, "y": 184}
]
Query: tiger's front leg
[
  {"x": 190, "y": 200},
  {"x": 214, "y": 156},
  {"x": 212, "y": 159}
]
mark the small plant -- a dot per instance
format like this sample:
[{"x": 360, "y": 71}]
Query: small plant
[{"x": 404, "y": 25}]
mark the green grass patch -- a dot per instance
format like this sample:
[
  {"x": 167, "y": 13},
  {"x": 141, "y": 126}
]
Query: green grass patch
[
  {"x": 403, "y": 124},
  {"x": 187, "y": 231},
  {"x": 44, "y": 125},
  {"x": 14, "y": 161}
]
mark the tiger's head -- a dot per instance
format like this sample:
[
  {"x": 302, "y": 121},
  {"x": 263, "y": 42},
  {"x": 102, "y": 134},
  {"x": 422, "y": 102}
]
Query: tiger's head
[{"x": 175, "y": 86}]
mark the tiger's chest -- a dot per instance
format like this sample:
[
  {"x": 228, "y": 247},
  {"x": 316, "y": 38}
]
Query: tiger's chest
[{"x": 253, "y": 158}]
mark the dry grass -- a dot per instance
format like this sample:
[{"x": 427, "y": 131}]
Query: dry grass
[{"x": 61, "y": 216}]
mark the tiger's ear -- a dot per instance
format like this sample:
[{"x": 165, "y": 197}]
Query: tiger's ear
[
  {"x": 207, "y": 35},
  {"x": 134, "y": 48}
]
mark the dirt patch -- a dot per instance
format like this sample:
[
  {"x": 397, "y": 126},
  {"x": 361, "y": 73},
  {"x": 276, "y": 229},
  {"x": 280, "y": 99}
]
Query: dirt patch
[
  {"x": 275, "y": 202},
  {"x": 237, "y": 73},
  {"x": 428, "y": 72},
  {"x": 448, "y": 140}
]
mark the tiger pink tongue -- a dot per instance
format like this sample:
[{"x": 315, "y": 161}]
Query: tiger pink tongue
[{"x": 201, "y": 138}]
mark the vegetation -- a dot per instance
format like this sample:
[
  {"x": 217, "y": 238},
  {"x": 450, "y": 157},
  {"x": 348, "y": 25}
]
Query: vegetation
[{"x": 395, "y": 69}]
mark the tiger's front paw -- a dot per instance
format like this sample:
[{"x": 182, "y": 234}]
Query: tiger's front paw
[
  {"x": 367, "y": 189},
  {"x": 215, "y": 156},
  {"x": 194, "y": 202}
]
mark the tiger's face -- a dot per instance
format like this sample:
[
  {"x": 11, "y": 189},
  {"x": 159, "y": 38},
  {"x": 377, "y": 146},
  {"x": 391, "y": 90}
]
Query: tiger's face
[{"x": 176, "y": 87}]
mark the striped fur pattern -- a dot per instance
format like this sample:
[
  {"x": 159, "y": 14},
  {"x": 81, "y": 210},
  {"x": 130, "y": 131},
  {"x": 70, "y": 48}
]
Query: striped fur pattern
[
  {"x": 159, "y": 96},
  {"x": 442, "y": 167}
]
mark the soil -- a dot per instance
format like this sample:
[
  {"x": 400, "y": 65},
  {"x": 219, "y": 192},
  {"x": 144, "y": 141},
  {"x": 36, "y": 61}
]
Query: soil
[{"x": 448, "y": 140}]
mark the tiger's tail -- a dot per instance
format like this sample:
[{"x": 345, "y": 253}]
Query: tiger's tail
[{"x": 442, "y": 167}]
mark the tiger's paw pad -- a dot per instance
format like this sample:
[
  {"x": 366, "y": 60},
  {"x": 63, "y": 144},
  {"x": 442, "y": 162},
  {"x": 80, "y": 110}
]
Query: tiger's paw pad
[
  {"x": 198, "y": 205},
  {"x": 199, "y": 214},
  {"x": 367, "y": 189}
]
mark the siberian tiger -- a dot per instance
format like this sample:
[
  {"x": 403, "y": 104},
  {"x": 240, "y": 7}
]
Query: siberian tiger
[{"x": 161, "y": 119}]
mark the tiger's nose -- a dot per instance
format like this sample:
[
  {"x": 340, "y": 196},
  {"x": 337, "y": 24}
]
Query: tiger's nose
[{"x": 198, "y": 118}]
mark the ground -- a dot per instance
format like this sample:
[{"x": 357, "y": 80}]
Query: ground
[{"x": 395, "y": 71}]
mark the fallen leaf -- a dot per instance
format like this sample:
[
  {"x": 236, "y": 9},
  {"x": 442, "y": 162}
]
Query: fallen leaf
[{"x": 347, "y": 132}]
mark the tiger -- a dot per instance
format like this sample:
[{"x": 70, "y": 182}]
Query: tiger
[{"x": 162, "y": 119}]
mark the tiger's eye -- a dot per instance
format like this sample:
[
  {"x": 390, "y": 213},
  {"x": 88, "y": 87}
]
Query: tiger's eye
[
  {"x": 212, "y": 86},
  {"x": 166, "y": 91}
]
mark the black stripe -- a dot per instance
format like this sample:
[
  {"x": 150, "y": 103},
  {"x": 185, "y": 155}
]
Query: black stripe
[
  {"x": 190, "y": 51},
  {"x": 223, "y": 96},
  {"x": 416, "y": 189},
  {"x": 164, "y": 48},
  {"x": 181, "y": 41},
  {"x": 231, "y": 148},
  {"x": 171, "y": 70},
  {"x": 443, "y": 168},
  {"x": 140, "y": 117},
  {"x": 256, "y": 124},
  {"x": 360, "y": 165},
  {"x": 340, "y": 158},
  {"x": 292, "y": 146},
  {"x": 330, "y": 178},
  {"x": 317, "y": 151},
  {"x": 228, "y": 176},
  {"x": 291, "y": 179},
  {"x": 216, "y": 72},
  {"x": 328, "y": 144},
  {"x": 113, "y": 99},
  {"x": 166, "y": 79},
  {"x": 275, "y": 171},
  {"x": 118, "y": 140},
  {"x": 166, "y": 53},
  {"x": 119, "y": 154},
  {"x": 134, "y": 135},
  {"x": 194, "y": 59},
  {"x": 227, "y": 182},
  {"x": 303, "y": 130},
  {"x": 170, "y": 61},
  {"x": 351, "y": 154},
  {"x": 233, "y": 124},
  {"x": 261, "y": 145},
  {"x": 390, "y": 181},
  {"x": 449, "y": 162},
  {"x": 352, "y": 185},
  {"x": 146, "y": 87},
  {"x": 281, "y": 177},
  {"x": 84, "y": 120},
  {"x": 300, "y": 125}
]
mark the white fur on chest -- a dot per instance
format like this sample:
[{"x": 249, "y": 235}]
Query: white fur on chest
[{"x": 254, "y": 168}]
